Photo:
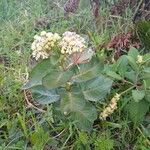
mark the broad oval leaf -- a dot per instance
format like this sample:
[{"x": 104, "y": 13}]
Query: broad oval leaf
[
  {"x": 79, "y": 110},
  {"x": 114, "y": 75},
  {"x": 147, "y": 95},
  {"x": 137, "y": 110},
  {"x": 132, "y": 63},
  {"x": 88, "y": 71},
  {"x": 146, "y": 77},
  {"x": 44, "y": 96},
  {"x": 72, "y": 102},
  {"x": 121, "y": 65},
  {"x": 96, "y": 89},
  {"x": 85, "y": 118},
  {"x": 130, "y": 75},
  {"x": 39, "y": 71},
  {"x": 133, "y": 52},
  {"x": 57, "y": 78},
  {"x": 138, "y": 95},
  {"x": 147, "y": 70},
  {"x": 146, "y": 83},
  {"x": 146, "y": 58}
]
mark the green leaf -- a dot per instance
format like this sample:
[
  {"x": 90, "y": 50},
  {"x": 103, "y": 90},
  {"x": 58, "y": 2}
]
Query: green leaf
[
  {"x": 146, "y": 77},
  {"x": 72, "y": 102},
  {"x": 146, "y": 58},
  {"x": 121, "y": 65},
  {"x": 137, "y": 110},
  {"x": 38, "y": 72},
  {"x": 132, "y": 58},
  {"x": 146, "y": 74},
  {"x": 80, "y": 111},
  {"x": 144, "y": 33},
  {"x": 97, "y": 88},
  {"x": 133, "y": 52},
  {"x": 146, "y": 131},
  {"x": 138, "y": 95},
  {"x": 131, "y": 76},
  {"x": 104, "y": 143},
  {"x": 83, "y": 137},
  {"x": 85, "y": 117},
  {"x": 132, "y": 63},
  {"x": 147, "y": 70},
  {"x": 39, "y": 138},
  {"x": 44, "y": 96},
  {"x": 57, "y": 78},
  {"x": 147, "y": 95},
  {"x": 113, "y": 75},
  {"x": 88, "y": 71},
  {"x": 146, "y": 83}
]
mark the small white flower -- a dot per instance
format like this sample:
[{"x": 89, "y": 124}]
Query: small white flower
[
  {"x": 72, "y": 42},
  {"x": 139, "y": 59},
  {"x": 43, "y": 33},
  {"x": 62, "y": 51},
  {"x": 38, "y": 39},
  {"x": 117, "y": 96},
  {"x": 33, "y": 47},
  {"x": 43, "y": 44},
  {"x": 36, "y": 36},
  {"x": 65, "y": 113},
  {"x": 56, "y": 36},
  {"x": 49, "y": 34}
]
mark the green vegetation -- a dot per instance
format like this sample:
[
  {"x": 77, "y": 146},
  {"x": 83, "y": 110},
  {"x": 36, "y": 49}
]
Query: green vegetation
[{"x": 38, "y": 112}]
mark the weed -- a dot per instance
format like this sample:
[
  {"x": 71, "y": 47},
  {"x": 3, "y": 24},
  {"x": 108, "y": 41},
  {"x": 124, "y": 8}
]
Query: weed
[{"x": 23, "y": 126}]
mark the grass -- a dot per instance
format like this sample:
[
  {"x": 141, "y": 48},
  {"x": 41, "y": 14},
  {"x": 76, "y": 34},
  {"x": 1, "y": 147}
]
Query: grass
[{"x": 25, "y": 128}]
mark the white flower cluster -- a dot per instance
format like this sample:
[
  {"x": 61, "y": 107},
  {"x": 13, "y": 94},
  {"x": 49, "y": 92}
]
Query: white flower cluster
[
  {"x": 139, "y": 59},
  {"x": 43, "y": 44},
  {"x": 71, "y": 43},
  {"x": 111, "y": 107}
]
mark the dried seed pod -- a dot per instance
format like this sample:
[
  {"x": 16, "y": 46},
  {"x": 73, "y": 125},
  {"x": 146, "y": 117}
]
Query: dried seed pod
[{"x": 112, "y": 106}]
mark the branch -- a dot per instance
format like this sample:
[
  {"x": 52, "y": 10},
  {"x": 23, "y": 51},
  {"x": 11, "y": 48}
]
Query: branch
[{"x": 30, "y": 104}]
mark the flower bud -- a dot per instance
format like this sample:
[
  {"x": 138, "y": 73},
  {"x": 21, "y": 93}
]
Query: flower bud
[
  {"x": 139, "y": 59},
  {"x": 43, "y": 33},
  {"x": 65, "y": 113}
]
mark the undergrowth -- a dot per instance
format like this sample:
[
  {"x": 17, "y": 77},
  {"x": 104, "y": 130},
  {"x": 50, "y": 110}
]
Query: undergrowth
[{"x": 25, "y": 124}]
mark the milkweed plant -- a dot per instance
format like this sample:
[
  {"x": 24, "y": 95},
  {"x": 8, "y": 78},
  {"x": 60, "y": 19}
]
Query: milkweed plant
[{"x": 70, "y": 76}]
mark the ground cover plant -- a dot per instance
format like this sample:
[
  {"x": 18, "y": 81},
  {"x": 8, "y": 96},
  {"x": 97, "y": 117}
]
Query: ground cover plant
[{"x": 73, "y": 79}]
